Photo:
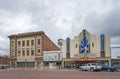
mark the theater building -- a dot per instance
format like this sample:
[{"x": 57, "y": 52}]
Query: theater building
[
  {"x": 26, "y": 49},
  {"x": 86, "y": 48}
]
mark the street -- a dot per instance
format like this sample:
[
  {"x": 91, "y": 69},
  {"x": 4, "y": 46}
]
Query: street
[{"x": 29, "y": 73}]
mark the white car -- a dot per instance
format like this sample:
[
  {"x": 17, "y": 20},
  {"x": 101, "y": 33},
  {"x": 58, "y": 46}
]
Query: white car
[{"x": 91, "y": 67}]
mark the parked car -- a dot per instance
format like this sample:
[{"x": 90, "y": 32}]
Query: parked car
[
  {"x": 3, "y": 66},
  {"x": 91, "y": 67},
  {"x": 109, "y": 68}
]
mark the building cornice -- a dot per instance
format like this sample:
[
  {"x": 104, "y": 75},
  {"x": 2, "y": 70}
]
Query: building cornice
[{"x": 26, "y": 34}]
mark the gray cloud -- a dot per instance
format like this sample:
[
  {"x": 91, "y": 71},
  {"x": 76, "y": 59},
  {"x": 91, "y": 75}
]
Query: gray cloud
[{"x": 59, "y": 19}]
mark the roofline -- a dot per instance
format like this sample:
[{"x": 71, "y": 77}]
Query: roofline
[
  {"x": 26, "y": 34},
  {"x": 51, "y": 51},
  {"x": 115, "y": 46}
]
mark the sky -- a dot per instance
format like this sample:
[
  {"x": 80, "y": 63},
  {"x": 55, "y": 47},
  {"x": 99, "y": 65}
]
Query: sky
[{"x": 59, "y": 18}]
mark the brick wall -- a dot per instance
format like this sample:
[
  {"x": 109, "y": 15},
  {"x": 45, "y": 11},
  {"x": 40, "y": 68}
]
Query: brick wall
[{"x": 47, "y": 44}]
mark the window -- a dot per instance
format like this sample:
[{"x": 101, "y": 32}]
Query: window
[
  {"x": 76, "y": 45},
  {"x": 23, "y": 43},
  {"x": 38, "y": 50},
  {"x": 89, "y": 48},
  {"x": 94, "y": 64},
  {"x": 32, "y": 52},
  {"x": 88, "y": 64},
  {"x": 12, "y": 43},
  {"x": 19, "y": 52},
  {"x": 32, "y": 42},
  {"x": 38, "y": 41},
  {"x": 18, "y": 43},
  {"x": 27, "y": 52},
  {"x": 23, "y": 53},
  {"x": 92, "y": 44},
  {"x": 85, "y": 65},
  {"x": 13, "y": 52},
  {"x": 68, "y": 47},
  {"x": 27, "y": 42}
]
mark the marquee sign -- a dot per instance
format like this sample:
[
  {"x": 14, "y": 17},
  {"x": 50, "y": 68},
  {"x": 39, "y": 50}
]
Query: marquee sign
[{"x": 88, "y": 55}]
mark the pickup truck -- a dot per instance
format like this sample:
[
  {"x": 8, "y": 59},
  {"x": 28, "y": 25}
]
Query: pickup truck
[
  {"x": 91, "y": 67},
  {"x": 109, "y": 68}
]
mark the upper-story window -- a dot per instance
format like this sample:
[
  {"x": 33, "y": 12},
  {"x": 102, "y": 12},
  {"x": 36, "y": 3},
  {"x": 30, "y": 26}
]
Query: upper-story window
[
  {"x": 92, "y": 44},
  {"x": 32, "y": 42},
  {"x": 32, "y": 52},
  {"x": 23, "y": 52},
  {"x": 27, "y": 42},
  {"x": 38, "y": 41},
  {"x": 19, "y": 52},
  {"x": 12, "y": 43},
  {"x": 19, "y": 43},
  {"x": 27, "y": 52},
  {"x": 13, "y": 52},
  {"x": 76, "y": 45},
  {"x": 38, "y": 50},
  {"x": 23, "y": 43}
]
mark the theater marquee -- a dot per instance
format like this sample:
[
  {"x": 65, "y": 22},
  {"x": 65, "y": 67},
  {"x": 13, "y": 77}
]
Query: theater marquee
[{"x": 88, "y": 55}]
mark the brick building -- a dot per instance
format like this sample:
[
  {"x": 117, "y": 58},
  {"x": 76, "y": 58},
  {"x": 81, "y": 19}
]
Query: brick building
[
  {"x": 26, "y": 49},
  {"x": 4, "y": 60}
]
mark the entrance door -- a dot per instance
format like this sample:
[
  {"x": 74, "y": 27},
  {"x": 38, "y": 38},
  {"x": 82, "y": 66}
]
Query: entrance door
[
  {"x": 52, "y": 65},
  {"x": 13, "y": 64},
  {"x": 39, "y": 64}
]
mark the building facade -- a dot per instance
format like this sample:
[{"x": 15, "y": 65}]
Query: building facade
[
  {"x": 4, "y": 60},
  {"x": 115, "y": 56},
  {"x": 52, "y": 59},
  {"x": 26, "y": 49},
  {"x": 86, "y": 48}
]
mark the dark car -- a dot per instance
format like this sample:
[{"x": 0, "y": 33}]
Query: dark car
[{"x": 109, "y": 68}]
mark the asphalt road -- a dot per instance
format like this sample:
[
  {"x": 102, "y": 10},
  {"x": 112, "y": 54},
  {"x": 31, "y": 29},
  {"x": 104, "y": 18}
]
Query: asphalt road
[{"x": 27, "y": 73}]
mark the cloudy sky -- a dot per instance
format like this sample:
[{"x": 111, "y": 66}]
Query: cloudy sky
[{"x": 59, "y": 18}]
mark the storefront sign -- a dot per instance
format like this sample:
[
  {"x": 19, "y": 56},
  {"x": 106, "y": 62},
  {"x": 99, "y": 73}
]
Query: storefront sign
[
  {"x": 21, "y": 60},
  {"x": 52, "y": 56}
]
